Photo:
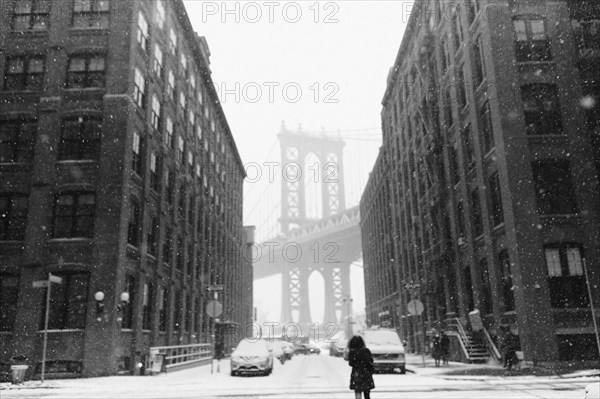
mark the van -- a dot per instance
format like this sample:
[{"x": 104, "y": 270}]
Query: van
[{"x": 387, "y": 349}]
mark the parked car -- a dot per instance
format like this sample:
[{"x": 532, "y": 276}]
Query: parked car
[
  {"x": 337, "y": 347},
  {"x": 387, "y": 349},
  {"x": 306, "y": 349},
  {"x": 592, "y": 391},
  {"x": 282, "y": 350},
  {"x": 252, "y": 357}
]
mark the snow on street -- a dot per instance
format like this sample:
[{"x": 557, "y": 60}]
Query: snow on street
[{"x": 312, "y": 376}]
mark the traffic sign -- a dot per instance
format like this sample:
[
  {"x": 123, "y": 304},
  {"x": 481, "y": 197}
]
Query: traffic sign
[
  {"x": 412, "y": 286},
  {"x": 54, "y": 279},
  {"x": 40, "y": 283},
  {"x": 214, "y": 309},
  {"x": 216, "y": 287},
  {"x": 415, "y": 307}
]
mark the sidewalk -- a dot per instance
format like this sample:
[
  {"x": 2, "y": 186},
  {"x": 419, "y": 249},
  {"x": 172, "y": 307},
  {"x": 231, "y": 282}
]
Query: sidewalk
[{"x": 458, "y": 370}]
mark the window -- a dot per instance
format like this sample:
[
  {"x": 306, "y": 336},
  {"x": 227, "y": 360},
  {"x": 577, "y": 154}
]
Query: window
[
  {"x": 190, "y": 259},
  {"x": 24, "y": 73},
  {"x": 160, "y": 14},
  {"x": 507, "y": 283},
  {"x": 133, "y": 227},
  {"x": 178, "y": 311},
  {"x": 182, "y": 199},
  {"x": 74, "y": 214},
  {"x": 587, "y": 33},
  {"x": 473, "y": 10},
  {"x": 468, "y": 147},
  {"x": 172, "y": 41},
  {"x": 80, "y": 139},
  {"x": 153, "y": 232},
  {"x": 86, "y": 71},
  {"x": 182, "y": 102},
  {"x": 163, "y": 303},
  {"x": 157, "y": 65},
  {"x": 142, "y": 32},
  {"x": 139, "y": 88},
  {"x": 90, "y": 13},
  {"x": 127, "y": 309},
  {"x": 171, "y": 85},
  {"x": 9, "y": 295},
  {"x": 478, "y": 64},
  {"x": 461, "y": 91},
  {"x": 136, "y": 156},
  {"x": 460, "y": 216},
  {"x": 453, "y": 160},
  {"x": 184, "y": 63},
  {"x": 155, "y": 171},
  {"x": 487, "y": 132},
  {"x": 444, "y": 56},
  {"x": 68, "y": 302},
  {"x": 167, "y": 246},
  {"x": 169, "y": 138},
  {"x": 147, "y": 299},
  {"x": 13, "y": 216},
  {"x": 448, "y": 116},
  {"x": 542, "y": 109},
  {"x": 170, "y": 187},
  {"x": 566, "y": 276},
  {"x": 17, "y": 139},
  {"x": 155, "y": 118},
  {"x": 180, "y": 150},
  {"x": 496, "y": 200},
  {"x": 476, "y": 218},
  {"x": 193, "y": 81},
  {"x": 179, "y": 254},
  {"x": 531, "y": 41},
  {"x": 31, "y": 14},
  {"x": 554, "y": 187}
]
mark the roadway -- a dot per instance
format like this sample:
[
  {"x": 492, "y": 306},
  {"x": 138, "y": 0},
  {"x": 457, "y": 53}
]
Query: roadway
[{"x": 310, "y": 376}]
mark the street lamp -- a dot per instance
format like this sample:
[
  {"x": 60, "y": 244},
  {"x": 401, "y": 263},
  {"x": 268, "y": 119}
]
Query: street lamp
[
  {"x": 124, "y": 301},
  {"x": 99, "y": 297}
]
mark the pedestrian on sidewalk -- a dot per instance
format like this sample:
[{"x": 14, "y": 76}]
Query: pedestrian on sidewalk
[
  {"x": 445, "y": 347},
  {"x": 361, "y": 361},
  {"x": 436, "y": 350},
  {"x": 509, "y": 348}
]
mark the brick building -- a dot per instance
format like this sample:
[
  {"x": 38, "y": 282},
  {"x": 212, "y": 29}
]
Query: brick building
[
  {"x": 490, "y": 128},
  {"x": 119, "y": 174}
]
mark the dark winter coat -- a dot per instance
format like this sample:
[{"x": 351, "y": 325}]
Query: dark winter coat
[
  {"x": 445, "y": 345},
  {"x": 361, "y": 362},
  {"x": 436, "y": 349}
]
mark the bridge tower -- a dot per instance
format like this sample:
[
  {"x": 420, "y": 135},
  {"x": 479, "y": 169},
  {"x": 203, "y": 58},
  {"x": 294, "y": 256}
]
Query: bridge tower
[{"x": 295, "y": 147}]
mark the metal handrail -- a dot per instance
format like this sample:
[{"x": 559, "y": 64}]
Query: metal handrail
[
  {"x": 492, "y": 349},
  {"x": 193, "y": 353},
  {"x": 461, "y": 335}
]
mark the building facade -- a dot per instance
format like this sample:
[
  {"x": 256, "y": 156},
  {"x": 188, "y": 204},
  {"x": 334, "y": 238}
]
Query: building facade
[
  {"x": 490, "y": 132},
  {"x": 120, "y": 176}
]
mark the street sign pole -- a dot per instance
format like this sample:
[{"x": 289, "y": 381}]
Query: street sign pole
[{"x": 46, "y": 318}]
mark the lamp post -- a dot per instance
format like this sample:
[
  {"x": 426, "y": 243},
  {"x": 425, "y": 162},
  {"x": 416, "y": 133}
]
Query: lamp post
[{"x": 348, "y": 301}]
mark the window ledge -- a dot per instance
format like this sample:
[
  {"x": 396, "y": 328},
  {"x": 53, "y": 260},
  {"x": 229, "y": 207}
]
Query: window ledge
[
  {"x": 15, "y": 163},
  {"x": 11, "y": 242},
  {"x": 545, "y": 62},
  {"x": 83, "y": 89},
  {"x": 66, "y": 330},
  {"x": 71, "y": 240},
  {"x": 24, "y": 91},
  {"x": 92, "y": 30},
  {"x": 76, "y": 161},
  {"x": 36, "y": 32},
  {"x": 489, "y": 153},
  {"x": 498, "y": 228}
]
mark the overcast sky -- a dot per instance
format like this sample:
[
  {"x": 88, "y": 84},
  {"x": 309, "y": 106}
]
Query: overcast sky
[{"x": 319, "y": 64}]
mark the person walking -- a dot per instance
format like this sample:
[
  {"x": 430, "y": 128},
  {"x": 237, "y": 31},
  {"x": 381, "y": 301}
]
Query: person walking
[
  {"x": 361, "y": 361},
  {"x": 445, "y": 347},
  {"x": 436, "y": 350},
  {"x": 510, "y": 347}
]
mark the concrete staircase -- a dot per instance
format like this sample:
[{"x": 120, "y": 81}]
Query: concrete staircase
[{"x": 477, "y": 352}]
